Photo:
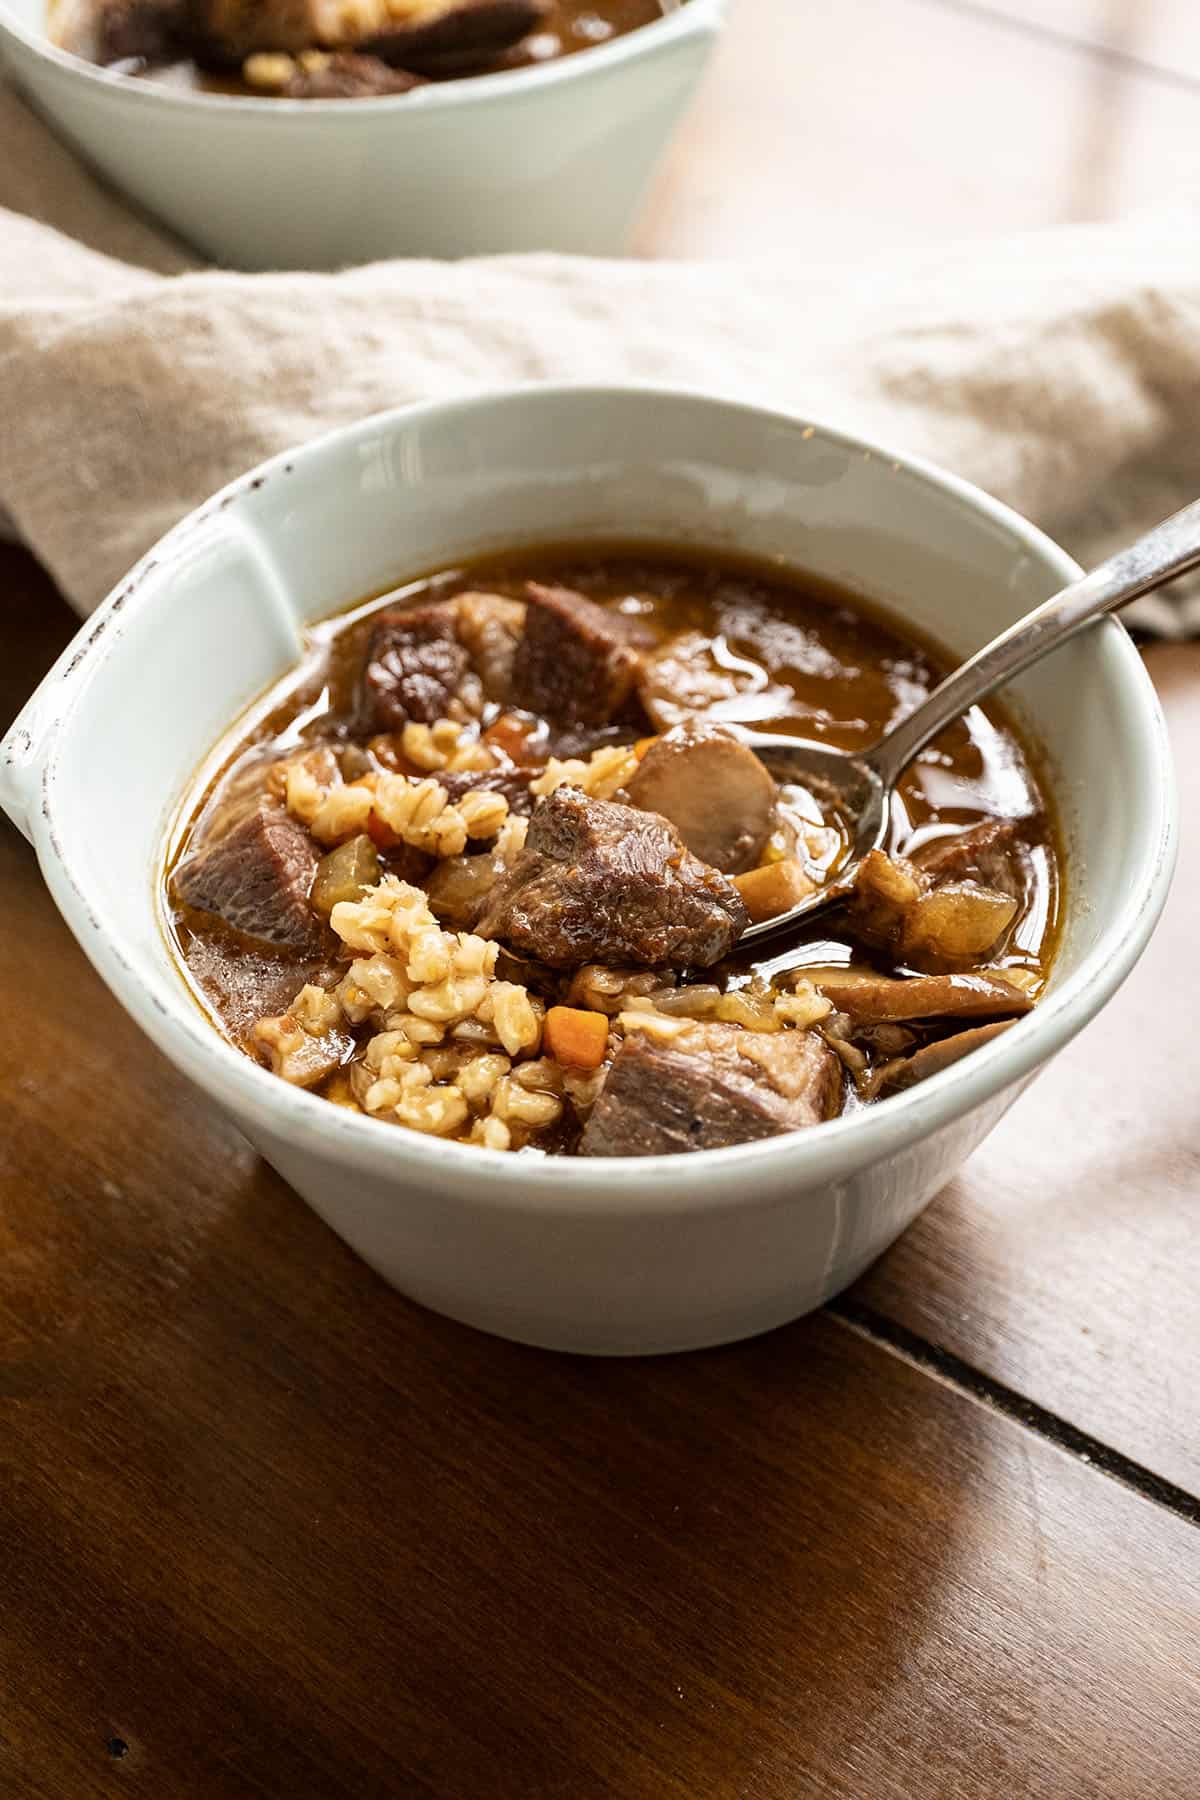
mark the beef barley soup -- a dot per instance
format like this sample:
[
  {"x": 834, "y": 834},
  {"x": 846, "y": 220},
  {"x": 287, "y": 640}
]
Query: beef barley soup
[
  {"x": 335, "y": 49},
  {"x": 481, "y": 865}
]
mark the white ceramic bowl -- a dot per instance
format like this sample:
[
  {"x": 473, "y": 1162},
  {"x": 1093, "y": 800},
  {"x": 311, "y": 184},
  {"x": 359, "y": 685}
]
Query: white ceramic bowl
[
  {"x": 553, "y": 157},
  {"x": 628, "y": 1255}
]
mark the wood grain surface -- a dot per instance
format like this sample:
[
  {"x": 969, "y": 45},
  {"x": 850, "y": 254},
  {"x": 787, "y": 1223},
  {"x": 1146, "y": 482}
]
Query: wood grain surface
[
  {"x": 1157, "y": 37},
  {"x": 273, "y": 1531}
]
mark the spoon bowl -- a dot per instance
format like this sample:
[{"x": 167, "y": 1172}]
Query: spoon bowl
[{"x": 849, "y": 791}]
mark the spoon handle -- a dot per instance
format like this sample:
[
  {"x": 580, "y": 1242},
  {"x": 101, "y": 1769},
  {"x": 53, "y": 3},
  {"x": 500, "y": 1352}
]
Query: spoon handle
[{"x": 1170, "y": 549}]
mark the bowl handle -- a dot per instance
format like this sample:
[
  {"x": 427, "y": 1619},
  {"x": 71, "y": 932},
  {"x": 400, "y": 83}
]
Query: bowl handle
[{"x": 22, "y": 756}]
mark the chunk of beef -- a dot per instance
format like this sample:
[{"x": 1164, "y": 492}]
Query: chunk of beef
[
  {"x": 598, "y": 882},
  {"x": 895, "y": 906},
  {"x": 223, "y": 33},
  {"x": 512, "y": 783},
  {"x": 715, "y": 792},
  {"x": 345, "y": 75},
  {"x": 993, "y": 855},
  {"x": 148, "y": 31},
  {"x": 710, "y": 1086},
  {"x": 490, "y": 625},
  {"x": 415, "y": 667},
  {"x": 120, "y": 31},
  {"x": 256, "y": 877},
  {"x": 869, "y": 999},
  {"x": 573, "y": 665},
  {"x": 931, "y": 1059},
  {"x": 256, "y": 980}
]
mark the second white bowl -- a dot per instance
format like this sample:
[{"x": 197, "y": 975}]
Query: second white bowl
[{"x": 554, "y": 157}]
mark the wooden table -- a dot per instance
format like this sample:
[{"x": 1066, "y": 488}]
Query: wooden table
[{"x": 268, "y": 1529}]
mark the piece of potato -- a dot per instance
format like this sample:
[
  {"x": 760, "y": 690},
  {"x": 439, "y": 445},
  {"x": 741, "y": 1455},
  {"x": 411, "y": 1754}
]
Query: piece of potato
[
  {"x": 774, "y": 889},
  {"x": 957, "y": 923},
  {"x": 344, "y": 874},
  {"x": 458, "y": 890}
]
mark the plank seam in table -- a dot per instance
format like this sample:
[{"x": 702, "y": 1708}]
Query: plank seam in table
[
  {"x": 971, "y": 1382},
  {"x": 1056, "y": 39}
]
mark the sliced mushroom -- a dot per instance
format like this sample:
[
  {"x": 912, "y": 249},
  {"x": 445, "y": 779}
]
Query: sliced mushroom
[
  {"x": 683, "y": 678},
  {"x": 449, "y": 38},
  {"x": 334, "y": 75},
  {"x": 931, "y": 1059},
  {"x": 870, "y": 999},
  {"x": 715, "y": 792}
]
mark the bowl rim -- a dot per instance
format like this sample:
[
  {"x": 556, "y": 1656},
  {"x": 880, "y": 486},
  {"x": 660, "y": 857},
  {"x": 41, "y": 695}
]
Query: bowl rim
[
  {"x": 689, "y": 19},
  {"x": 708, "y": 1180}
]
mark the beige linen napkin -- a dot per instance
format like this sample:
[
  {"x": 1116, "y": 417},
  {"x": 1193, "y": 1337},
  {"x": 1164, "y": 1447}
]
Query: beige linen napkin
[{"x": 1060, "y": 371}]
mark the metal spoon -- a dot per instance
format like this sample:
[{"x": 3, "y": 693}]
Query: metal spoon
[{"x": 859, "y": 787}]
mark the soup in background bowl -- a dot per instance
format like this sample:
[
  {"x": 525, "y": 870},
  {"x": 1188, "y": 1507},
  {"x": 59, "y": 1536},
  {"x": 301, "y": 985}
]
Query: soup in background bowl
[{"x": 335, "y": 49}]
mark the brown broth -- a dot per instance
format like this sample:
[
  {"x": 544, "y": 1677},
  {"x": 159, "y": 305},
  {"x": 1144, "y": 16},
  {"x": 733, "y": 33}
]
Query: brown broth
[{"x": 815, "y": 660}]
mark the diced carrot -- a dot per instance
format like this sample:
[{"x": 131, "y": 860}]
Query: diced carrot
[
  {"x": 381, "y": 833},
  {"x": 773, "y": 889},
  {"x": 576, "y": 1038},
  {"x": 642, "y": 745}
]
